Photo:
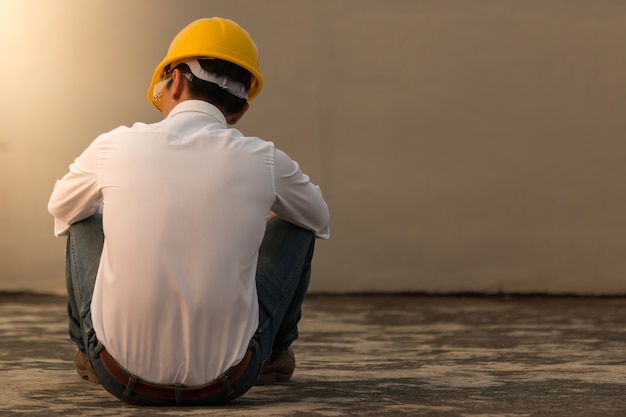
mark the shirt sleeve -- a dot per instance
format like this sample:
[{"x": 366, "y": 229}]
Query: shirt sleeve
[
  {"x": 299, "y": 201},
  {"x": 76, "y": 196}
]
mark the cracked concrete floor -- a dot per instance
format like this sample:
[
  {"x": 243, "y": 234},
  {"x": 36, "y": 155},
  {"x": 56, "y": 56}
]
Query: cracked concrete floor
[{"x": 409, "y": 355}]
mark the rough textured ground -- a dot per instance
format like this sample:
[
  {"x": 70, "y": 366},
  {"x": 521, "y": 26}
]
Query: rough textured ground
[{"x": 370, "y": 356}]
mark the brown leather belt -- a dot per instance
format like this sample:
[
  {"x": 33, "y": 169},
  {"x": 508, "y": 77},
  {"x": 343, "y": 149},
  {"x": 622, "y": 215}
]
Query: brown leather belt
[{"x": 169, "y": 392}]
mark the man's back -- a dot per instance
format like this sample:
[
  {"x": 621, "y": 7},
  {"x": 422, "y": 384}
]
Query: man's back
[{"x": 184, "y": 209}]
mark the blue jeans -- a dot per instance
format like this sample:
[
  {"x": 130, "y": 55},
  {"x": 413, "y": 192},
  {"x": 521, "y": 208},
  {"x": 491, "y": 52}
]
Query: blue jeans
[{"x": 282, "y": 279}]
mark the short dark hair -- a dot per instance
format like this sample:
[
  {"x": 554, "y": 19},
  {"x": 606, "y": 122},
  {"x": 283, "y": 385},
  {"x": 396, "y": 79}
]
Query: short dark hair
[{"x": 227, "y": 102}]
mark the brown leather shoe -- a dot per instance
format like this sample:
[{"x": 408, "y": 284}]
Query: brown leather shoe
[
  {"x": 83, "y": 367},
  {"x": 279, "y": 368}
]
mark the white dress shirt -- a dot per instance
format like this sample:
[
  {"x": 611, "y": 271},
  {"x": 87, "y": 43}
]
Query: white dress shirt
[{"x": 184, "y": 205}]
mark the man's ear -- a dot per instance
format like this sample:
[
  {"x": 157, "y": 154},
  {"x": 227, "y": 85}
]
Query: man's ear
[
  {"x": 178, "y": 86},
  {"x": 235, "y": 117}
]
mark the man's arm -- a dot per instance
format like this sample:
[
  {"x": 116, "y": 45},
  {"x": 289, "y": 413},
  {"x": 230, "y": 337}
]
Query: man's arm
[
  {"x": 76, "y": 196},
  {"x": 299, "y": 201}
]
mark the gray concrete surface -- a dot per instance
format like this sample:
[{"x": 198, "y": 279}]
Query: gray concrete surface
[{"x": 370, "y": 356}]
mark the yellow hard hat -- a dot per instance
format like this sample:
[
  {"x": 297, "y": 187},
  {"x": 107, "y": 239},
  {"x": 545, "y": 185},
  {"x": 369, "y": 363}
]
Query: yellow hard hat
[{"x": 213, "y": 37}]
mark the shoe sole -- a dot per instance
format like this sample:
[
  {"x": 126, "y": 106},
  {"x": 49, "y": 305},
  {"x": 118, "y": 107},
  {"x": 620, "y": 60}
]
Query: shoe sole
[
  {"x": 88, "y": 376},
  {"x": 273, "y": 378}
]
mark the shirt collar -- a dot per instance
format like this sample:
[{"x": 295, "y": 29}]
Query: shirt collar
[{"x": 198, "y": 106}]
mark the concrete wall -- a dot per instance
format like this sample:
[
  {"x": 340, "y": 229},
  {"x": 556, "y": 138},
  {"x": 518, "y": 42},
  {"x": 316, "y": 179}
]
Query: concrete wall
[{"x": 463, "y": 145}]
